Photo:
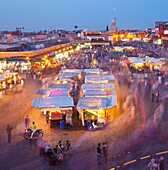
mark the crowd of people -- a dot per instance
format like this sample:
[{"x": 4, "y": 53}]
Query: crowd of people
[
  {"x": 54, "y": 154},
  {"x": 58, "y": 153},
  {"x": 102, "y": 152},
  {"x": 155, "y": 164}
]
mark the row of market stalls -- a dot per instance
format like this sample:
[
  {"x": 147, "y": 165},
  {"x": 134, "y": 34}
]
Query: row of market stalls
[
  {"x": 151, "y": 62},
  {"x": 9, "y": 80},
  {"x": 97, "y": 96},
  {"x": 55, "y": 102}
]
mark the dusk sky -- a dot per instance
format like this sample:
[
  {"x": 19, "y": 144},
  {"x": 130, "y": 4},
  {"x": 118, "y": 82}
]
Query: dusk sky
[{"x": 64, "y": 14}]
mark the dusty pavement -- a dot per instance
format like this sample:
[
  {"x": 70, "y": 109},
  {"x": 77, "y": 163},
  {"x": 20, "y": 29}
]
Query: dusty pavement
[
  {"x": 13, "y": 110},
  {"x": 128, "y": 137}
]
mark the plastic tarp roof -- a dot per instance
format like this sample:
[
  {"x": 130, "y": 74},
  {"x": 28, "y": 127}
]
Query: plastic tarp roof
[
  {"x": 153, "y": 60},
  {"x": 75, "y": 71},
  {"x": 42, "y": 92},
  {"x": 99, "y": 93},
  {"x": 68, "y": 74},
  {"x": 94, "y": 79},
  {"x": 53, "y": 102},
  {"x": 136, "y": 60},
  {"x": 97, "y": 103},
  {"x": 109, "y": 77},
  {"x": 95, "y": 71},
  {"x": 68, "y": 79},
  {"x": 98, "y": 78},
  {"x": 139, "y": 61},
  {"x": 58, "y": 92},
  {"x": 60, "y": 86},
  {"x": 98, "y": 86}
]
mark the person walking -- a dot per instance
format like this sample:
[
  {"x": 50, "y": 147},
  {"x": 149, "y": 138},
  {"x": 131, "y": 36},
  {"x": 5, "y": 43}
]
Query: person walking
[
  {"x": 47, "y": 118},
  {"x": 161, "y": 163},
  {"x": 27, "y": 122},
  {"x": 104, "y": 151},
  {"x": 9, "y": 132},
  {"x": 153, "y": 96},
  {"x": 153, "y": 165},
  {"x": 99, "y": 153},
  {"x": 157, "y": 95}
]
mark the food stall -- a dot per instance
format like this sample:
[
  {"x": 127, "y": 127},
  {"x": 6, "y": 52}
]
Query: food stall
[
  {"x": 154, "y": 63},
  {"x": 67, "y": 86},
  {"x": 95, "y": 108},
  {"x": 99, "y": 93},
  {"x": 56, "y": 107},
  {"x": 93, "y": 71},
  {"x": 58, "y": 92},
  {"x": 60, "y": 86},
  {"x": 12, "y": 77},
  {"x": 98, "y": 86},
  {"x": 42, "y": 92},
  {"x": 97, "y": 79},
  {"x": 2, "y": 85},
  {"x": 138, "y": 63},
  {"x": 73, "y": 71},
  {"x": 69, "y": 74}
]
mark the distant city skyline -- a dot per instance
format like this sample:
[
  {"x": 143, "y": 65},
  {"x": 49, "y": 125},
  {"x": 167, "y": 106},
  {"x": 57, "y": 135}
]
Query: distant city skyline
[{"x": 36, "y": 15}]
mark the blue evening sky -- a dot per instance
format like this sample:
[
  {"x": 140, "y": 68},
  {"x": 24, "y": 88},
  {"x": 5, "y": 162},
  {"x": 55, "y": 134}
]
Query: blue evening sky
[{"x": 64, "y": 14}]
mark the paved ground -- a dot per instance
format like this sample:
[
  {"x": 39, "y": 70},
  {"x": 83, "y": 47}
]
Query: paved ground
[{"x": 130, "y": 136}]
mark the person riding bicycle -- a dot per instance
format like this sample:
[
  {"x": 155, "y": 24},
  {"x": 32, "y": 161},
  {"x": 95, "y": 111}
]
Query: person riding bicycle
[{"x": 33, "y": 129}]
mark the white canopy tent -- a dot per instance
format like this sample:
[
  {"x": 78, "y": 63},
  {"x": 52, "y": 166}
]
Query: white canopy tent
[
  {"x": 93, "y": 71},
  {"x": 95, "y": 103},
  {"x": 98, "y": 86},
  {"x": 53, "y": 103},
  {"x": 99, "y": 93},
  {"x": 99, "y": 78}
]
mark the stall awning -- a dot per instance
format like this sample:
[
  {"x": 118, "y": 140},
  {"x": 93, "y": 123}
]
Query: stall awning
[
  {"x": 98, "y": 86},
  {"x": 66, "y": 74},
  {"x": 60, "y": 86},
  {"x": 109, "y": 77},
  {"x": 58, "y": 92},
  {"x": 97, "y": 103},
  {"x": 99, "y": 93},
  {"x": 42, "y": 92},
  {"x": 99, "y": 78},
  {"x": 75, "y": 71},
  {"x": 95, "y": 79},
  {"x": 93, "y": 71},
  {"x": 36, "y": 102},
  {"x": 53, "y": 102}
]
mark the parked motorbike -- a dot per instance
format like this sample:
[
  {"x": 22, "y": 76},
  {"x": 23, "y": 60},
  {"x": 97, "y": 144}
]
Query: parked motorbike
[
  {"x": 93, "y": 126},
  {"x": 38, "y": 133}
]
